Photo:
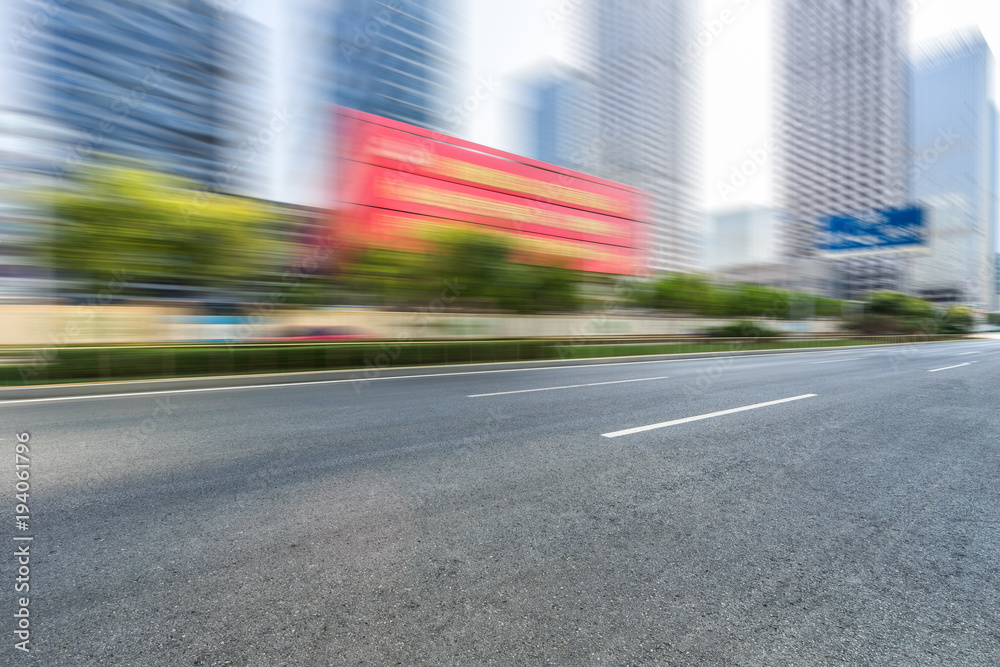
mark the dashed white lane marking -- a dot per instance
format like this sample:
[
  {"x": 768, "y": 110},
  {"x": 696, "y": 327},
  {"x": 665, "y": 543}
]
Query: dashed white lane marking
[
  {"x": 568, "y": 386},
  {"x": 935, "y": 370},
  {"x": 837, "y": 361},
  {"x": 639, "y": 429}
]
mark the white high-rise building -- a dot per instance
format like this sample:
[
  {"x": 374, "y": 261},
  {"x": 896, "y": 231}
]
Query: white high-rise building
[
  {"x": 953, "y": 173},
  {"x": 842, "y": 127},
  {"x": 640, "y": 125}
]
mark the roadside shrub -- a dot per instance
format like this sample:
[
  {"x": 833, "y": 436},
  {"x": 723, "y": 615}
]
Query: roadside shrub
[
  {"x": 878, "y": 325},
  {"x": 957, "y": 320},
  {"x": 744, "y": 329}
]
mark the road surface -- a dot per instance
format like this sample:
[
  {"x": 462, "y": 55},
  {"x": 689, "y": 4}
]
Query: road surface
[{"x": 825, "y": 508}]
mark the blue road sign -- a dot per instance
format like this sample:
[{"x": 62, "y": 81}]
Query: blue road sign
[{"x": 872, "y": 231}]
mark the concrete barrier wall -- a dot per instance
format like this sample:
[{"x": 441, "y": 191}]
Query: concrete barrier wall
[
  {"x": 44, "y": 325},
  {"x": 436, "y": 325},
  {"x": 68, "y": 325}
]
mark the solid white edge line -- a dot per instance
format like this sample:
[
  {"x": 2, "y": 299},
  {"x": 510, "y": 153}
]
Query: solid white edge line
[
  {"x": 948, "y": 367},
  {"x": 716, "y": 355},
  {"x": 685, "y": 420},
  {"x": 569, "y": 386},
  {"x": 155, "y": 392}
]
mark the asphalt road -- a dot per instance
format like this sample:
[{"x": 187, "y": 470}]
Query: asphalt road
[{"x": 414, "y": 520}]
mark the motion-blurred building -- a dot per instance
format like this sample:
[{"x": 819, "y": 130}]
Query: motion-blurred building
[
  {"x": 953, "y": 170},
  {"x": 29, "y": 145},
  {"x": 996, "y": 282},
  {"x": 641, "y": 116},
  {"x": 842, "y": 128},
  {"x": 550, "y": 97},
  {"x": 551, "y": 216},
  {"x": 391, "y": 58},
  {"x": 746, "y": 236},
  {"x": 396, "y": 59},
  {"x": 174, "y": 82}
]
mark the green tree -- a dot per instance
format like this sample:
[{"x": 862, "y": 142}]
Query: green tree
[
  {"x": 528, "y": 288},
  {"x": 897, "y": 304},
  {"x": 693, "y": 294},
  {"x": 682, "y": 293},
  {"x": 894, "y": 312},
  {"x": 465, "y": 268},
  {"x": 957, "y": 320},
  {"x": 827, "y": 307},
  {"x": 477, "y": 262},
  {"x": 389, "y": 277},
  {"x": 761, "y": 301},
  {"x": 157, "y": 229}
]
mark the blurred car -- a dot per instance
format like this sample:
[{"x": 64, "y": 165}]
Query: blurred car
[{"x": 311, "y": 333}]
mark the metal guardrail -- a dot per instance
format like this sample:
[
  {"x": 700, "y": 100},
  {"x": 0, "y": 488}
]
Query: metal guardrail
[
  {"x": 574, "y": 341},
  {"x": 22, "y": 351}
]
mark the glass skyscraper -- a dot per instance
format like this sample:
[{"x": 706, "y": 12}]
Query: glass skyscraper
[
  {"x": 842, "y": 129},
  {"x": 953, "y": 169},
  {"x": 390, "y": 58},
  {"x": 172, "y": 82},
  {"x": 996, "y": 282},
  {"x": 395, "y": 58},
  {"x": 550, "y": 99},
  {"x": 29, "y": 146}
]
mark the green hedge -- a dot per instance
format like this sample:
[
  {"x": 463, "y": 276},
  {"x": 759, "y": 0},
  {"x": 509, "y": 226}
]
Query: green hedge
[
  {"x": 745, "y": 329},
  {"x": 79, "y": 364},
  {"x": 127, "y": 362}
]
